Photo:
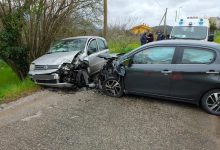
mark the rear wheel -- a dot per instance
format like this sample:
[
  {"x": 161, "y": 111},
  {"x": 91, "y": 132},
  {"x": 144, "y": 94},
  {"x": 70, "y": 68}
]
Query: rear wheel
[
  {"x": 113, "y": 87},
  {"x": 211, "y": 102}
]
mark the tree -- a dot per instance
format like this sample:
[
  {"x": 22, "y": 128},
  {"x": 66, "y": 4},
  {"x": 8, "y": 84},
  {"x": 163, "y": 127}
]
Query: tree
[
  {"x": 213, "y": 25},
  {"x": 30, "y": 26}
]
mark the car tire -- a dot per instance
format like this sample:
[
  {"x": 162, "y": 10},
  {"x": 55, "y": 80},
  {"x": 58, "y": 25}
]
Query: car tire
[
  {"x": 211, "y": 102},
  {"x": 113, "y": 87}
]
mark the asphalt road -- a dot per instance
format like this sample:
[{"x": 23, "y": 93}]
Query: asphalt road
[{"x": 88, "y": 120}]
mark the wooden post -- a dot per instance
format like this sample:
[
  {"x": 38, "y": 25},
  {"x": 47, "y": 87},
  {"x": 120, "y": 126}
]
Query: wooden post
[{"x": 105, "y": 28}]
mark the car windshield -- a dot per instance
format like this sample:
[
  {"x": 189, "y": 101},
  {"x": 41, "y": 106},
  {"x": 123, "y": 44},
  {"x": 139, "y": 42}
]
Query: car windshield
[
  {"x": 69, "y": 45},
  {"x": 189, "y": 32}
]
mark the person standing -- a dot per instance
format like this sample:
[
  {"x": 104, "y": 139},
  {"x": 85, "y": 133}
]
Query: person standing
[
  {"x": 160, "y": 36},
  {"x": 143, "y": 38},
  {"x": 150, "y": 37}
]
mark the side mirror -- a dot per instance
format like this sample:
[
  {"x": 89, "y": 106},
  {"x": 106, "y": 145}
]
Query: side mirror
[
  {"x": 211, "y": 38},
  {"x": 128, "y": 62},
  {"x": 86, "y": 62}
]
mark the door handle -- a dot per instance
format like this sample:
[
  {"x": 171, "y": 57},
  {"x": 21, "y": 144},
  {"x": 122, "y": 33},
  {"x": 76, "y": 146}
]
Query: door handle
[
  {"x": 212, "y": 72},
  {"x": 166, "y": 71}
]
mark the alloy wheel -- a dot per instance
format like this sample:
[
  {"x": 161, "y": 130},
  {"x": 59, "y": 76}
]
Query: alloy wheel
[
  {"x": 213, "y": 102},
  {"x": 113, "y": 87}
]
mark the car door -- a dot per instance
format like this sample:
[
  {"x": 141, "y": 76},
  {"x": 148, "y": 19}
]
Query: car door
[
  {"x": 95, "y": 48},
  {"x": 103, "y": 49},
  {"x": 195, "y": 73},
  {"x": 92, "y": 50},
  {"x": 150, "y": 71}
]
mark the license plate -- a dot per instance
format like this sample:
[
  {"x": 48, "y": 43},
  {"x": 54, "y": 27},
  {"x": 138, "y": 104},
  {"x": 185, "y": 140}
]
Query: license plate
[{"x": 43, "y": 77}]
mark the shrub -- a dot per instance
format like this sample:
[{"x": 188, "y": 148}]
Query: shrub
[{"x": 217, "y": 37}]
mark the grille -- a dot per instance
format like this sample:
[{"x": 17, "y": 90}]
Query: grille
[
  {"x": 47, "y": 81},
  {"x": 43, "y": 77},
  {"x": 46, "y": 67}
]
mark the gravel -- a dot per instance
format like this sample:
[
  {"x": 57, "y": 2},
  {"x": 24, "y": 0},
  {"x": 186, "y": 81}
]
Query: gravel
[{"x": 88, "y": 120}]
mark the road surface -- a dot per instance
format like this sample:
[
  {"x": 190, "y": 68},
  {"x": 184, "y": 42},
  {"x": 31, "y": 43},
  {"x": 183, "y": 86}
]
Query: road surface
[{"x": 88, "y": 120}]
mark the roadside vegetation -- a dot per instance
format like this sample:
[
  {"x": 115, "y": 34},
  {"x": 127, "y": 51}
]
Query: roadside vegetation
[
  {"x": 217, "y": 36},
  {"x": 120, "y": 47},
  {"x": 10, "y": 85},
  {"x": 120, "y": 39}
]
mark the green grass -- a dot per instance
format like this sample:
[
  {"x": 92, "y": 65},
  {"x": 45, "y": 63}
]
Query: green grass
[
  {"x": 11, "y": 87},
  {"x": 117, "y": 47},
  {"x": 217, "y": 37}
]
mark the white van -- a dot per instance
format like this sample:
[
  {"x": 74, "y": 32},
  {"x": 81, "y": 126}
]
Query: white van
[{"x": 193, "y": 28}]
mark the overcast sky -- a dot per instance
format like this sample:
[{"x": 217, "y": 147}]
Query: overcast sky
[{"x": 151, "y": 11}]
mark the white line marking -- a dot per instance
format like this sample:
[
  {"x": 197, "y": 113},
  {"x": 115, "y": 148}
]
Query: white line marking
[{"x": 37, "y": 115}]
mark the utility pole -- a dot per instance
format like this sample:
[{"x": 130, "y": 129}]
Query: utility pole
[
  {"x": 179, "y": 12},
  {"x": 164, "y": 20},
  {"x": 165, "y": 23},
  {"x": 176, "y": 16},
  {"x": 105, "y": 28}
]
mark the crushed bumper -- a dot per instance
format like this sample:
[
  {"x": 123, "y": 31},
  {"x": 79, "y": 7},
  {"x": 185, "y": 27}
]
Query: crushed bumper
[
  {"x": 50, "y": 80},
  {"x": 58, "y": 85}
]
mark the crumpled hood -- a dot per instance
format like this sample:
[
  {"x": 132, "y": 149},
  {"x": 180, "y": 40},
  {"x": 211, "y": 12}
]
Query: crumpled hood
[{"x": 56, "y": 58}]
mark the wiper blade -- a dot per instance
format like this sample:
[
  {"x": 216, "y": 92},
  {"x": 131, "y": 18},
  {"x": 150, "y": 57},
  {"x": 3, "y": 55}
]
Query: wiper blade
[
  {"x": 176, "y": 37},
  {"x": 185, "y": 38},
  {"x": 56, "y": 52},
  {"x": 192, "y": 39}
]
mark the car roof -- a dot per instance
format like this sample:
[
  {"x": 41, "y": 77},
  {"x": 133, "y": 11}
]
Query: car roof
[
  {"x": 186, "y": 43},
  {"x": 86, "y": 37}
]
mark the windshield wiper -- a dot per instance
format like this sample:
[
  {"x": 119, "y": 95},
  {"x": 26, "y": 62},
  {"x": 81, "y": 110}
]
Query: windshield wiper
[
  {"x": 192, "y": 38},
  {"x": 56, "y": 52},
  {"x": 186, "y": 38},
  {"x": 173, "y": 37}
]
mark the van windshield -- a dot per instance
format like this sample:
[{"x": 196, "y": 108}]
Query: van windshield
[
  {"x": 69, "y": 45},
  {"x": 189, "y": 32}
]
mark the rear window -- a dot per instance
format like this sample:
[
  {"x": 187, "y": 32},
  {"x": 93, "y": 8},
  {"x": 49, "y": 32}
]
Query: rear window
[{"x": 197, "y": 56}]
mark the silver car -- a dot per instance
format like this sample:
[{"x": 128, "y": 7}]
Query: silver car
[{"x": 69, "y": 60}]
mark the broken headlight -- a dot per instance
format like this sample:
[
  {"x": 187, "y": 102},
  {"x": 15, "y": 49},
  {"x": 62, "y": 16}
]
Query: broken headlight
[{"x": 66, "y": 67}]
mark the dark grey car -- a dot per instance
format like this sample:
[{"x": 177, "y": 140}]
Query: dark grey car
[{"x": 180, "y": 70}]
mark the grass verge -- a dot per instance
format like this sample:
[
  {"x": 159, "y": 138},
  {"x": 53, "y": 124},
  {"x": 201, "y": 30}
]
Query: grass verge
[
  {"x": 217, "y": 37},
  {"x": 11, "y": 88},
  {"x": 117, "y": 47}
]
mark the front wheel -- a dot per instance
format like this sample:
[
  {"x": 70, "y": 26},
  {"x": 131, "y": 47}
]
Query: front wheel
[
  {"x": 211, "y": 102},
  {"x": 113, "y": 87}
]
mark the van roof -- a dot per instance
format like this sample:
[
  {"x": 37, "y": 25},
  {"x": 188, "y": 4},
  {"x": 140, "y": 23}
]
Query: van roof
[{"x": 203, "y": 22}]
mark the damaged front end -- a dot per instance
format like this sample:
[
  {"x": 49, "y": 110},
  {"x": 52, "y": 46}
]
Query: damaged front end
[
  {"x": 111, "y": 76},
  {"x": 75, "y": 73},
  {"x": 112, "y": 68}
]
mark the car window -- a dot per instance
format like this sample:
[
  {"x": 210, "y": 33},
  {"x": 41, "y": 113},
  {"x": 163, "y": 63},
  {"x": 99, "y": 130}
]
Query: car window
[
  {"x": 69, "y": 45},
  {"x": 92, "y": 48},
  {"x": 197, "y": 56},
  {"x": 101, "y": 44},
  {"x": 157, "y": 55}
]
